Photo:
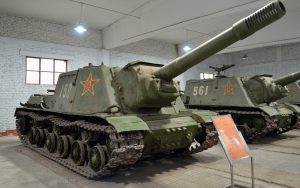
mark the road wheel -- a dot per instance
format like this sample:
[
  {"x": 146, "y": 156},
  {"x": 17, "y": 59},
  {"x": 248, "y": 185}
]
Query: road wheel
[
  {"x": 51, "y": 142},
  {"x": 78, "y": 152},
  {"x": 97, "y": 158}
]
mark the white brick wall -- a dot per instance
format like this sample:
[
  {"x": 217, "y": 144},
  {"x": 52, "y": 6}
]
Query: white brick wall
[
  {"x": 41, "y": 30},
  {"x": 277, "y": 61},
  {"x": 12, "y": 72},
  {"x": 150, "y": 47},
  {"x": 146, "y": 50}
]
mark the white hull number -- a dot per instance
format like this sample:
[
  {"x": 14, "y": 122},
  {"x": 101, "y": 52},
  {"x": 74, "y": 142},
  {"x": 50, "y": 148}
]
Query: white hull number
[{"x": 200, "y": 90}]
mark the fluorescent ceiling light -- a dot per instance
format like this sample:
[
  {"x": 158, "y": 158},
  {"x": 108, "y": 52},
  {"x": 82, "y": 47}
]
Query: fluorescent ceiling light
[
  {"x": 186, "y": 48},
  {"x": 80, "y": 29}
]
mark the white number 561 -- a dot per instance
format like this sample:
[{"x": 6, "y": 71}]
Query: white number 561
[{"x": 201, "y": 90}]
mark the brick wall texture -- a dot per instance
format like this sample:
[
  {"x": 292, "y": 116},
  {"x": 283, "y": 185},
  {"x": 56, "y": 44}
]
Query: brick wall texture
[
  {"x": 13, "y": 89},
  {"x": 41, "y": 30}
]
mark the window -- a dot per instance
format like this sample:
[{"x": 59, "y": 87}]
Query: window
[
  {"x": 205, "y": 75},
  {"x": 44, "y": 71}
]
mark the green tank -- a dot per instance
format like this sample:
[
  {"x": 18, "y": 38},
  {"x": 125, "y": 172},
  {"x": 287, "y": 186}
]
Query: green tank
[
  {"x": 293, "y": 94},
  {"x": 250, "y": 101},
  {"x": 99, "y": 119}
]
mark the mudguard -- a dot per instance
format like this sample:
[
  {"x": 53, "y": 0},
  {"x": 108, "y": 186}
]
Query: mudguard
[
  {"x": 276, "y": 110},
  {"x": 127, "y": 123},
  {"x": 34, "y": 100},
  {"x": 203, "y": 116},
  {"x": 292, "y": 107}
]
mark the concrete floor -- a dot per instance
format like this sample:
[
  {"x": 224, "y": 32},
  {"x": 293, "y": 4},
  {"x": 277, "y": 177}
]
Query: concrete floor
[{"x": 277, "y": 164}]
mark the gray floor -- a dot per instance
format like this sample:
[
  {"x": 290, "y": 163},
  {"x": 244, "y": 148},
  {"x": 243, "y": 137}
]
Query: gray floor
[{"x": 277, "y": 164}]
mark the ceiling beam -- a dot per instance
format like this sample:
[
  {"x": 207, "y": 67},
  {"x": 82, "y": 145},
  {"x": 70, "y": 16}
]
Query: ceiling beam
[
  {"x": 128, "y": 30},
  {"x": 80, "y": 2}
]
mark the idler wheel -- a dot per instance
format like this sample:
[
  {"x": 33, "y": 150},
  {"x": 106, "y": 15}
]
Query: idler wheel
[
  {"x": 51, "y": 142},
  {"x": 40, "y": 137},
  {"x": 32, "y": 134},
  {"x": 63, "y": 146},
  {"x": 245, "y": 130},
  {"x": 23, "y": 125},
  {"x": 78, "y": 152},
  {"x": 97, "y": 158}
]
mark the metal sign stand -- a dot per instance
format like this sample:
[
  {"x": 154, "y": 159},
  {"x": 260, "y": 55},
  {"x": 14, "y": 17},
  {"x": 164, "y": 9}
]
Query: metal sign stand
[
  {"x": 232, "y": 185},
  {"x": 233, "y": 144},
  {"x": 232, "y": 176}
]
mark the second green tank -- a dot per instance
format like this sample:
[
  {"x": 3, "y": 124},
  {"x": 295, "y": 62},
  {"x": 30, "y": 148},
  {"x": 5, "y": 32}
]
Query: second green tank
[{"x": 250, "y": 101}]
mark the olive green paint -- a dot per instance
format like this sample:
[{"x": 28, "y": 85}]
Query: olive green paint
[
  {"x": 294, "y": 93},
  {"x": 127, "y": 123}
]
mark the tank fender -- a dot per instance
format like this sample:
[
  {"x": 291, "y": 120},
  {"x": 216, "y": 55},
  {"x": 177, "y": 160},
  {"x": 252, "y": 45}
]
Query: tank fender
[
  {"x": 292, "y": 107},
  {"x": 203, "y": 116},
  {"x": 127, "y": 123},
  {"x": 275, "y": 110}
]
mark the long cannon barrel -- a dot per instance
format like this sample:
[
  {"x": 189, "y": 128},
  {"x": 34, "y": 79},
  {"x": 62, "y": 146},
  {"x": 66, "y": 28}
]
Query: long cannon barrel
[
  {"x": 283, "y": 81},
  {"x": 240, "y": 30}
]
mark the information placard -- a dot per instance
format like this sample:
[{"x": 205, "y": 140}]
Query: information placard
[{"x": 233, "y": 142}]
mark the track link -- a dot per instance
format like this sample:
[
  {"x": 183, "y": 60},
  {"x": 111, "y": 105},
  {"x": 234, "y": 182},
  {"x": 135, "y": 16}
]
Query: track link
[{"x": 297, "y": 124}]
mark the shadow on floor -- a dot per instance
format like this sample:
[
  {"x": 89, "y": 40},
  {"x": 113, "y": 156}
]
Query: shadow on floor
[
  {"x": 269, "y": 139},
  {"x": 142, "y": 171},
  {"x": 155, "y": 165}
]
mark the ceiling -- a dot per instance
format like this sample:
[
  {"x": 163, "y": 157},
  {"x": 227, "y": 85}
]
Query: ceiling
[
  {"x": 96, "y": 14},
  {"x": 174, "y": 21}
]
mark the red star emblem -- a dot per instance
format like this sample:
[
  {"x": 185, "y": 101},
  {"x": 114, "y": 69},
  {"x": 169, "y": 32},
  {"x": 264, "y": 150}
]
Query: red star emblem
[
  {"x": 291, "y": 89},
  {"x": 228, "y": 88},
  {"x": 88, "y": 85}
]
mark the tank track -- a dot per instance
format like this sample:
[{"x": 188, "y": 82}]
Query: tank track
[
  {"x": 297, "y": 124},
  {"x": 271, "y": 126},
  {"x": 211, "y": 139},
  {"x": 126, "y": 149}
]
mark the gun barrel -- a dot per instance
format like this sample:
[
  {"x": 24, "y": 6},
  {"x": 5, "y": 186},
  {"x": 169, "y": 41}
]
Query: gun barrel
[
  {"x": 283, "y": 81},
  {"x": 228, "y": 67},
  {"x": 240, "y": 30}
]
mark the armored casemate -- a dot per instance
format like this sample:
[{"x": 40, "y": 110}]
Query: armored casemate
[
  {"x": 250, "y": 101},
  {"x": 102, "y": 118}
]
